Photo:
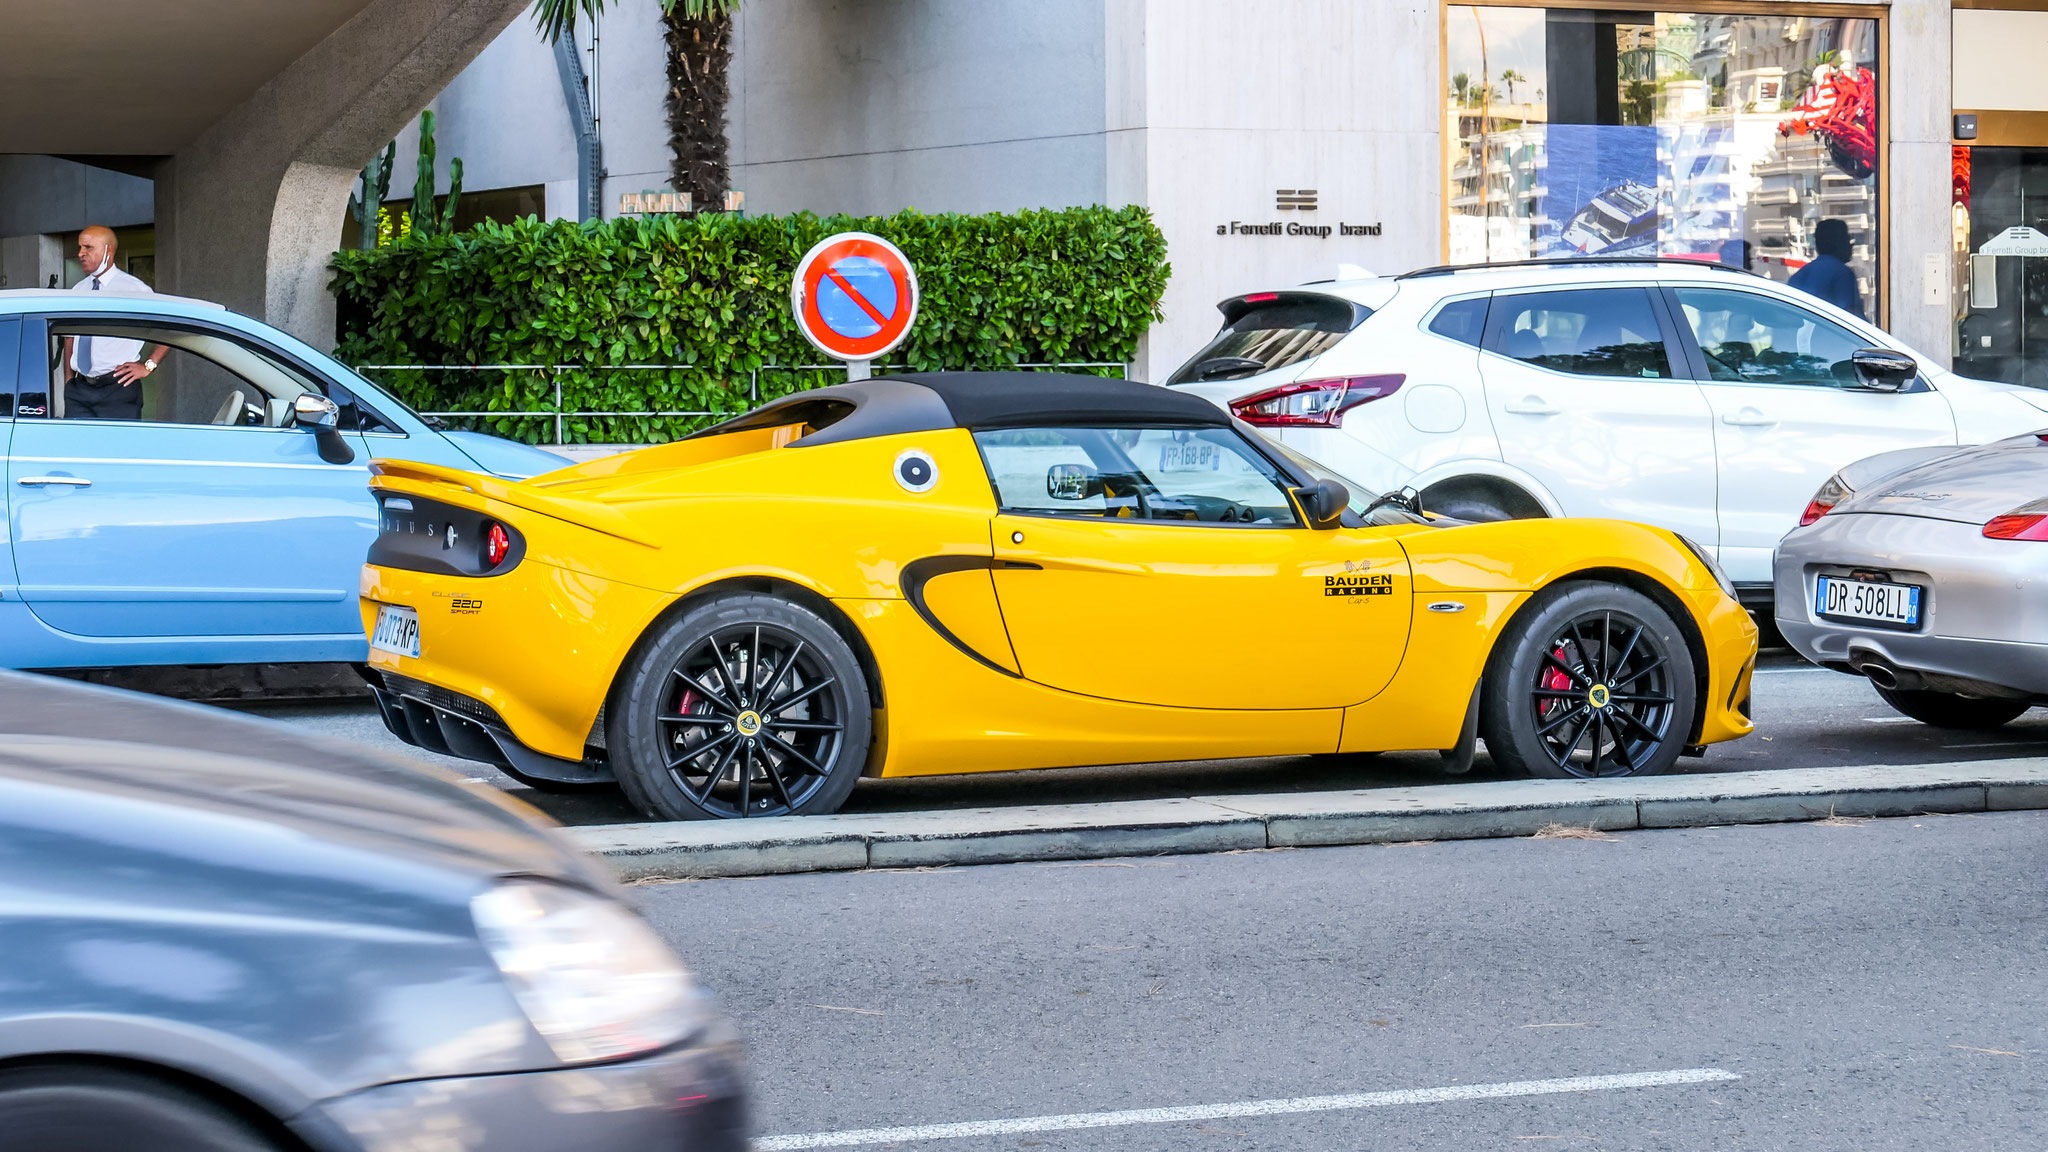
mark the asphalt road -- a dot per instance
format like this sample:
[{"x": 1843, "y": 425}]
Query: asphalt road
[
  {"x": 1806, "y": 717},
  {"x": 1852, "y": 985}
]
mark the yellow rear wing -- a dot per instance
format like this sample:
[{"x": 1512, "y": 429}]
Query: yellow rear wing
[{"x": 435, "y": 482}]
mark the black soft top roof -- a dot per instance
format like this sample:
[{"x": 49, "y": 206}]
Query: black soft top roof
[{"x": 928, "y": 401}]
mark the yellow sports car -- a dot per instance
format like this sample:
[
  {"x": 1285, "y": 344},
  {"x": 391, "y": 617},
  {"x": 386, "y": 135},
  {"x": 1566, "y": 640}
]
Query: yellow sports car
[{"x": 968, "y": 572}]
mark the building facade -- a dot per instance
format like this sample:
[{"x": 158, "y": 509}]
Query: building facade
[{"x": 1282, "y": 142}]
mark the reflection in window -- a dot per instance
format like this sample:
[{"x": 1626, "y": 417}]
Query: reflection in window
[
  {"x": 1607, "y": 133},
  {"x": 1755, "y": 339},
  {"x": 1202, "y": 475},
  {"x": 1590, "y": 332}
]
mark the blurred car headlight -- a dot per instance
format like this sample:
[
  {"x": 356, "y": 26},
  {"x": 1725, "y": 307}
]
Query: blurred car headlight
[
  {"x": 1712, "y": 565},
  {"x": 596, "y": 981}
]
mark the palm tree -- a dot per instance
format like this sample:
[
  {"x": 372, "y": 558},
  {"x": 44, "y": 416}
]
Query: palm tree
[
  {"x": 1510, "y": 77},
  {"x": 699, "y": 34},
  {"x": 1459, "y": 83}
]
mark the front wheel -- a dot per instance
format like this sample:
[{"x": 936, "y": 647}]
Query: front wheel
[
  {"x": 746, "y": 705},
  {"x": 1589, "y": 680},
  {"x": 1946, "y": 710},
  {"x": 90, "y": 1109}
]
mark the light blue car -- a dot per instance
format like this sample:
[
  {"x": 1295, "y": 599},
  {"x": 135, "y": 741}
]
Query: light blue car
[{"x": 228, "y": 524}]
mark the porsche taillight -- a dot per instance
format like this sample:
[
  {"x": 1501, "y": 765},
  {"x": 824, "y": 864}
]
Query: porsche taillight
[
  {"x": 2026, "y": 522},
  {"x": 1831, "y": 493},
  {"x": 1313, "y": 403}
]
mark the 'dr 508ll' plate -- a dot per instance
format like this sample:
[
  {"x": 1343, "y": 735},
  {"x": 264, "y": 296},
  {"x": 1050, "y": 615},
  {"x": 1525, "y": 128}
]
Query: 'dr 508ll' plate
[{"x": 1867, "y": 602}]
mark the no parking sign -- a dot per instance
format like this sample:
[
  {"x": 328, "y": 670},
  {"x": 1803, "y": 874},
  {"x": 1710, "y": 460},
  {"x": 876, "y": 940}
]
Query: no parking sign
[{"x": 855, "y": 297}]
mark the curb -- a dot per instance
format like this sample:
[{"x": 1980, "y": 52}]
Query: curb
[{"x": 785, "y": 844}]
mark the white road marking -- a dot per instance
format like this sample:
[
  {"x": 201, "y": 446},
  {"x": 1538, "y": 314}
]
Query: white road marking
[
  {"x": 1889, "y": 720},
  {"x": 1784, "y": 671},
  {"x": 1292, "y": 1106}
]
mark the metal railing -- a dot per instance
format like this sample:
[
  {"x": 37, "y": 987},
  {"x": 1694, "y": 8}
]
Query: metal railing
[{"x": 561, "y": 415}]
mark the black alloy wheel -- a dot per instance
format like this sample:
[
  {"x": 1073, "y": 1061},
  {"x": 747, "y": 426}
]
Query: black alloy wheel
[
  {"x": 746, "y": 706},
  {"x": 1590, "y": 681}
]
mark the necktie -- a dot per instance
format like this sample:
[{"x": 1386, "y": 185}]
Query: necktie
[{"x": 85, "y": 343}]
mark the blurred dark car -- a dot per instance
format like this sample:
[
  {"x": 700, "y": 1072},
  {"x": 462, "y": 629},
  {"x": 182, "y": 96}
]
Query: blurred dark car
[{"x": 217, "y": 934}]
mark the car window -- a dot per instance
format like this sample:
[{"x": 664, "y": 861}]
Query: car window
[
  {"x": 1587, "y": 332},
  {"x": 202, "y": 376},
  {"x": 1461, "y": 320},
  {"x": 1201, "y": 475},
  {"x": 1758, "y": 339},
  {"x": 1272, "y": 333}
]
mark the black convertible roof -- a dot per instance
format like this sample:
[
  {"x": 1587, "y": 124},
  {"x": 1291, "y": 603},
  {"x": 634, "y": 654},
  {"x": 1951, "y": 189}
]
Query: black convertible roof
[{"x": 928, "y": 401}]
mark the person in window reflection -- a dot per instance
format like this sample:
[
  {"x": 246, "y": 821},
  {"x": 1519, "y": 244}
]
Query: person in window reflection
[
  {"x": 1828, "y": 275},
  {"x": 105, "y": 373}
]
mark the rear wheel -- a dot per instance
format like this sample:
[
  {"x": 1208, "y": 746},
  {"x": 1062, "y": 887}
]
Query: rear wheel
[
  {"x": 1590, "y": 680},
  {"x": 101, "y": 1110},
  {"x": 746, "y": 705},
  {"x": 1946, "y": 710}
]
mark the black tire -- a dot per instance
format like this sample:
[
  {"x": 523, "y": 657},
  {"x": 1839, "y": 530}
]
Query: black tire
[
  {"x": 1945, "y": 710},
  {"x": 103, "y": 1110},
  {"x": 677, "y": 724},
  {"x": 1589, "y": 680}
]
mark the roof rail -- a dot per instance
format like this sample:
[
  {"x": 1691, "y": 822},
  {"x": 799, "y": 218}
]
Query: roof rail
[{"x": 1451, "y": 269}]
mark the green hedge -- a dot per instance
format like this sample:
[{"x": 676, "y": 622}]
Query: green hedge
[{"x": 712, "y": 292}]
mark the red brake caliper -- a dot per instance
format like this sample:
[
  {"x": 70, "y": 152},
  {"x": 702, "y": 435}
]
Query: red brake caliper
[{"x": 1555, "y": 680}]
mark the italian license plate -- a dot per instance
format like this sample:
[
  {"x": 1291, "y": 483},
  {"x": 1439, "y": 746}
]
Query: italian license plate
[
  {"x": 397, "y": 631},
  {"x": 1895, "y": 605}
]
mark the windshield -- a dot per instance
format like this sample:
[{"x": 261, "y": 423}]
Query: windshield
[
  {"x": 1270, "y": 335},
  {"x": 1362, "y": 497}
]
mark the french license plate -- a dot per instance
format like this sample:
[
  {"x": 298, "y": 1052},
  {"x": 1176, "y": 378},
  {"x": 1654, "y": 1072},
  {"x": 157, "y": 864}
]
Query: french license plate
[
  {"x": 1896, "y": 605},
  {"x": 397, "y": 631}
]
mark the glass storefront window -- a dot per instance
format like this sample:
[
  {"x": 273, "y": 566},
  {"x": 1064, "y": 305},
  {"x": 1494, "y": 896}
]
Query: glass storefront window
[
  {"x": 2001, "y": 225},
  {"x": 1749, "y": 139}
]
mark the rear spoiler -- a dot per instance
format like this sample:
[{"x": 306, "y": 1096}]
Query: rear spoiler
[{"x": 420, "y": 480}]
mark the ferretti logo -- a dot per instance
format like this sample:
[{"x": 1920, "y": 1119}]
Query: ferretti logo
[{"x": 1294, "y": 199}]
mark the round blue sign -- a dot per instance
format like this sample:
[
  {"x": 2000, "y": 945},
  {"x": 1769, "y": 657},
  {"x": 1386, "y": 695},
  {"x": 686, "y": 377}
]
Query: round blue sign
[{"x": 856, "y": 296}]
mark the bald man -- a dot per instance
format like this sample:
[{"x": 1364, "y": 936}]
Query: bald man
[{"x": 106, "y": 372}]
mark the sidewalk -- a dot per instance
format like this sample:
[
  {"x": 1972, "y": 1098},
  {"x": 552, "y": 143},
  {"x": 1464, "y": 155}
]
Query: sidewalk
[{"x": 692, "y": 849}]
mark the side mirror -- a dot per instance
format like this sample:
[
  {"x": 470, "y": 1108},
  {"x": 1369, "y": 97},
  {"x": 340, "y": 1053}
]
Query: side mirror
[
  {"x": 323, "y": 416},
  {"x": 1883, "y": 370},
  {"x": 1323, "y": 502},
  {"x": 1072, "y": 482}
]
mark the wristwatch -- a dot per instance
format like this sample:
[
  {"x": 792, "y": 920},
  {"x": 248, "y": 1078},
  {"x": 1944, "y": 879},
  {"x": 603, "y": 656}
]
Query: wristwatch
[{"x": 149, "y": 364}]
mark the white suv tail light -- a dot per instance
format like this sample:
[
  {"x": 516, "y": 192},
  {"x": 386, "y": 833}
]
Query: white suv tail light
[{"x": 1313, "y": 403}]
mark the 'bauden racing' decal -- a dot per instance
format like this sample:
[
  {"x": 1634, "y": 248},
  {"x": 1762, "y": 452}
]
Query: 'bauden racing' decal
[{"x": 1362, "y": 584}]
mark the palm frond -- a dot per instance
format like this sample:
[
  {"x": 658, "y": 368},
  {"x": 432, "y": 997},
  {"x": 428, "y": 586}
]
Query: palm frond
[{"x": 557, "y": 18}]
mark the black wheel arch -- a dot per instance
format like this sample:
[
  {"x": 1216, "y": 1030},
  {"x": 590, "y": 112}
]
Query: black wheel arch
[
  {"x": 1506, "y": 495},
  {"x": 826, "y": 610},
  {"x": 270, "y": 1126},
  {"x": 1658, "y": 594}
]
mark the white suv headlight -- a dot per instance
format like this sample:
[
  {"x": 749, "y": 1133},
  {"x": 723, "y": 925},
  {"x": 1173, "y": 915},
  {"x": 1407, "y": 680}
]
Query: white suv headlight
[{"x": 596, "y": 981}]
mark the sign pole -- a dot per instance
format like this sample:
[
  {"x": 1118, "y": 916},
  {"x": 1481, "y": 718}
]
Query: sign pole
[{"x": 856, "y": 370}]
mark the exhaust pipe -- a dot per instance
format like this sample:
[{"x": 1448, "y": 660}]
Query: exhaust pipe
[{"x": 1885, "y": 674}]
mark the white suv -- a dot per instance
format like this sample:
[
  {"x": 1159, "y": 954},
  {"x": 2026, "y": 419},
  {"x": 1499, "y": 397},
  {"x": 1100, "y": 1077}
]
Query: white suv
[{"x": 1679, "y": 393}]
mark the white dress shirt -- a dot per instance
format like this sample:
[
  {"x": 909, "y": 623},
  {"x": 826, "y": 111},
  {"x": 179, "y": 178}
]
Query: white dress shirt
[{"x": 99, "y": 355}]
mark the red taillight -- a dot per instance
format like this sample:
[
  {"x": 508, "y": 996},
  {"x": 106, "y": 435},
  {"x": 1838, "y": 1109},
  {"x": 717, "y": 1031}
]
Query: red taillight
[
  {"x": 497, "y": 545},
  {"x": 1831, "y": 493},
  {"x": 1260, "y": 298},
  {"x": 2026, "y": 522},
  {"x": 1313, "y": 403}
]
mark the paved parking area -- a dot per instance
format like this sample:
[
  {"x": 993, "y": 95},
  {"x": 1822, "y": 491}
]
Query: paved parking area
[{"x": 1807, "y": 717}]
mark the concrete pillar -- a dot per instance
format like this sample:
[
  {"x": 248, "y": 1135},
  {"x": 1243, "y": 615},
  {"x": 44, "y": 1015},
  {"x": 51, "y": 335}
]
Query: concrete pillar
[
  {"x": 1916, "y": 180},
  {"x": 249, "y": 213}
]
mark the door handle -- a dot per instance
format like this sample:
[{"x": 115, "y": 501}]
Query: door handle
[
  {"x": 1531, "y": 405},
  {"x": 1748, "y": 418},
  {"x": 66, "y": 481}
]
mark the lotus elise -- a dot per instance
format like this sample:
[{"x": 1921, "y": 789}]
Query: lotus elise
[{"x": 967, "y": 572}]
